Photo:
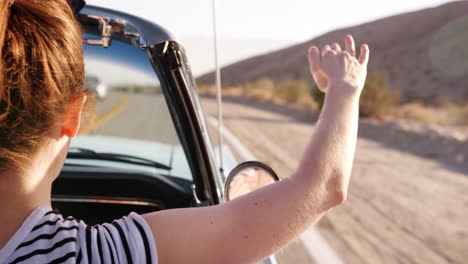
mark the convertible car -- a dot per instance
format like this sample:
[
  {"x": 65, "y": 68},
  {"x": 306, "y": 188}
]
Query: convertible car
[{"x": 145, "y": 146}]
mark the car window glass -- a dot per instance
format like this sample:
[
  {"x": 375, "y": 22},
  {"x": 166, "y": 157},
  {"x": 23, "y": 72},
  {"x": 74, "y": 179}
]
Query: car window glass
[{"x": 126, "y": 112}]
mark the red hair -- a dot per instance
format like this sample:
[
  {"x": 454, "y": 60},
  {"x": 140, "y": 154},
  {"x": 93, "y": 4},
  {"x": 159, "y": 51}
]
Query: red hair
[{"x": 41, "y": 70}]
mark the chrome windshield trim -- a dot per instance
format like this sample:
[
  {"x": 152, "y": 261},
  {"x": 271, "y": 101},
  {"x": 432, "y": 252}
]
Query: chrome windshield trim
[
  {"x": 106, "y": 200},
  {"x": 151, "y": 32}
]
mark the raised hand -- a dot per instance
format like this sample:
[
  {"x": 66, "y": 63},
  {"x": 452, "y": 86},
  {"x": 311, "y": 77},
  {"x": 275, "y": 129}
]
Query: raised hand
[{"x": 332, "y": 66}]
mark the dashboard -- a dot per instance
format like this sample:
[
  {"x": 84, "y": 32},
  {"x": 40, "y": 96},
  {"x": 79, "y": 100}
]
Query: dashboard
[{"x": 97, "y": 195}]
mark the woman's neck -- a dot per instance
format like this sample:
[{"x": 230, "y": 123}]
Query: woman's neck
[
  {"x": 17, "y": 200},
  {"x": 24, "y": 190}
]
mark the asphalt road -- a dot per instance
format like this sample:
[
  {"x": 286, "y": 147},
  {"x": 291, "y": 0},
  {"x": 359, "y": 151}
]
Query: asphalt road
[
  {"x": 140, "y": 116},
  {"x": 401, "y": 208}
]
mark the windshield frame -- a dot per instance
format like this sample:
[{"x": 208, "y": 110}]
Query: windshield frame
[
  {"x": 178, "y": 85},
  {"x": 169, "y": 62}
]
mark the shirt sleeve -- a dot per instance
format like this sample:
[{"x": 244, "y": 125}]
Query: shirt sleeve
[{"x": 126, "y": 240}]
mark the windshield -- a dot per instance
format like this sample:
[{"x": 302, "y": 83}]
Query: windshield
[{"x": 126, "y": 112}]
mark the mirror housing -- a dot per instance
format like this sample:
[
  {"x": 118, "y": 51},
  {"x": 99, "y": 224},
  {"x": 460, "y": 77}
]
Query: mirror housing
[
  {"x": 77, "y": 5},
  {"x": 247, "y": 177}
]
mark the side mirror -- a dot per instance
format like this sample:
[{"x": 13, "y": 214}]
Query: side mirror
[{"x": 248, "y": 177}]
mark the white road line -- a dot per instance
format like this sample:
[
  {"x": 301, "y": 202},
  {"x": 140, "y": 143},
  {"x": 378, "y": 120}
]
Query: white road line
[
  {"x": 319, "y": 248},
  {"x": 316, "y": 245},
  {"x": 233, "y": 140}
]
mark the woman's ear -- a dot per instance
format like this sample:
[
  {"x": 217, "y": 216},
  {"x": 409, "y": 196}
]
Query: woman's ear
[{"x": 72, "y": 118}]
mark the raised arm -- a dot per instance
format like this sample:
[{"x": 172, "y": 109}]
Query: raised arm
[{"x": 254, "y": 226}]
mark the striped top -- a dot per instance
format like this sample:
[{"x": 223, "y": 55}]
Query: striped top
[{"x": 46, "y": 237}]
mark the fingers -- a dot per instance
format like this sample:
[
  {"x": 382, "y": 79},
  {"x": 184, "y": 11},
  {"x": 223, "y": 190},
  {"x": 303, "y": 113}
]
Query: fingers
[
  {"x": 350, "y": 46},
  {"x": 314, "y": 58},
  {"x": 336, "y": 47},
  {"x": 364, "y": 57},
  {"x": 326, "y": 49}
]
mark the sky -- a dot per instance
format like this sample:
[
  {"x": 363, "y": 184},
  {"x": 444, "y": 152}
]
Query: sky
[{"x": 252, "y": 27}]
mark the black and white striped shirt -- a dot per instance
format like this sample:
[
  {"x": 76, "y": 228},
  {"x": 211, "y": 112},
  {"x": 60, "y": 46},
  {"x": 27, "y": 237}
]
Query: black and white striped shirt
[{"x": 46, "y": 237}]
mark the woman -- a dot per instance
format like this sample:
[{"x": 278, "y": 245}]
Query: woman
[{"x": 41, "y": 99}]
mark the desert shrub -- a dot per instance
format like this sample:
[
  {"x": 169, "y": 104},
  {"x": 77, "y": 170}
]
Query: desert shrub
[
  {"x": 416, "y": 111},
  {"x": 376, "y": 99},
  {"x": 307, "y": 102},
  {"x": 408, "y": 96},
  {"x": 318, "y": 96},
  {"x": 206, "y": 89},
  {"x": 261, "y": 89},
  {"x": 461, "y": 114},
  {"x": 291, "y": 91},
  {"x": 288, "y": 91}
]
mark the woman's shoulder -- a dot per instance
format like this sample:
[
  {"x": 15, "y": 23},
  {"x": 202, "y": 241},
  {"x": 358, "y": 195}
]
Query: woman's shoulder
[
  {"x": 45, "y": 238},
  {"x": 69, "y": 240},
  {"x": 54, "y": 221}
]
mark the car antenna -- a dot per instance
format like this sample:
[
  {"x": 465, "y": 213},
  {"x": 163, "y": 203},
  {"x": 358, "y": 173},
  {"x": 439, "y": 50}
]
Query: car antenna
[{"x": 218, "y": 88}]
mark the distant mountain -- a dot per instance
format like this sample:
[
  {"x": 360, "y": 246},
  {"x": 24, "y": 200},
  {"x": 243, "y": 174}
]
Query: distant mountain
[
  {"x": 423, "y": 53},
  {"x": 200, "y": 50}
]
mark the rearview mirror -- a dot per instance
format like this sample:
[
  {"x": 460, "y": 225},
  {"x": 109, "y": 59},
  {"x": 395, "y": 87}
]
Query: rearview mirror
[{"x": 248, "y": 177}]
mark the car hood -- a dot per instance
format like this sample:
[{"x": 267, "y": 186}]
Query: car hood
[{"x": 170, "y": 155}]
